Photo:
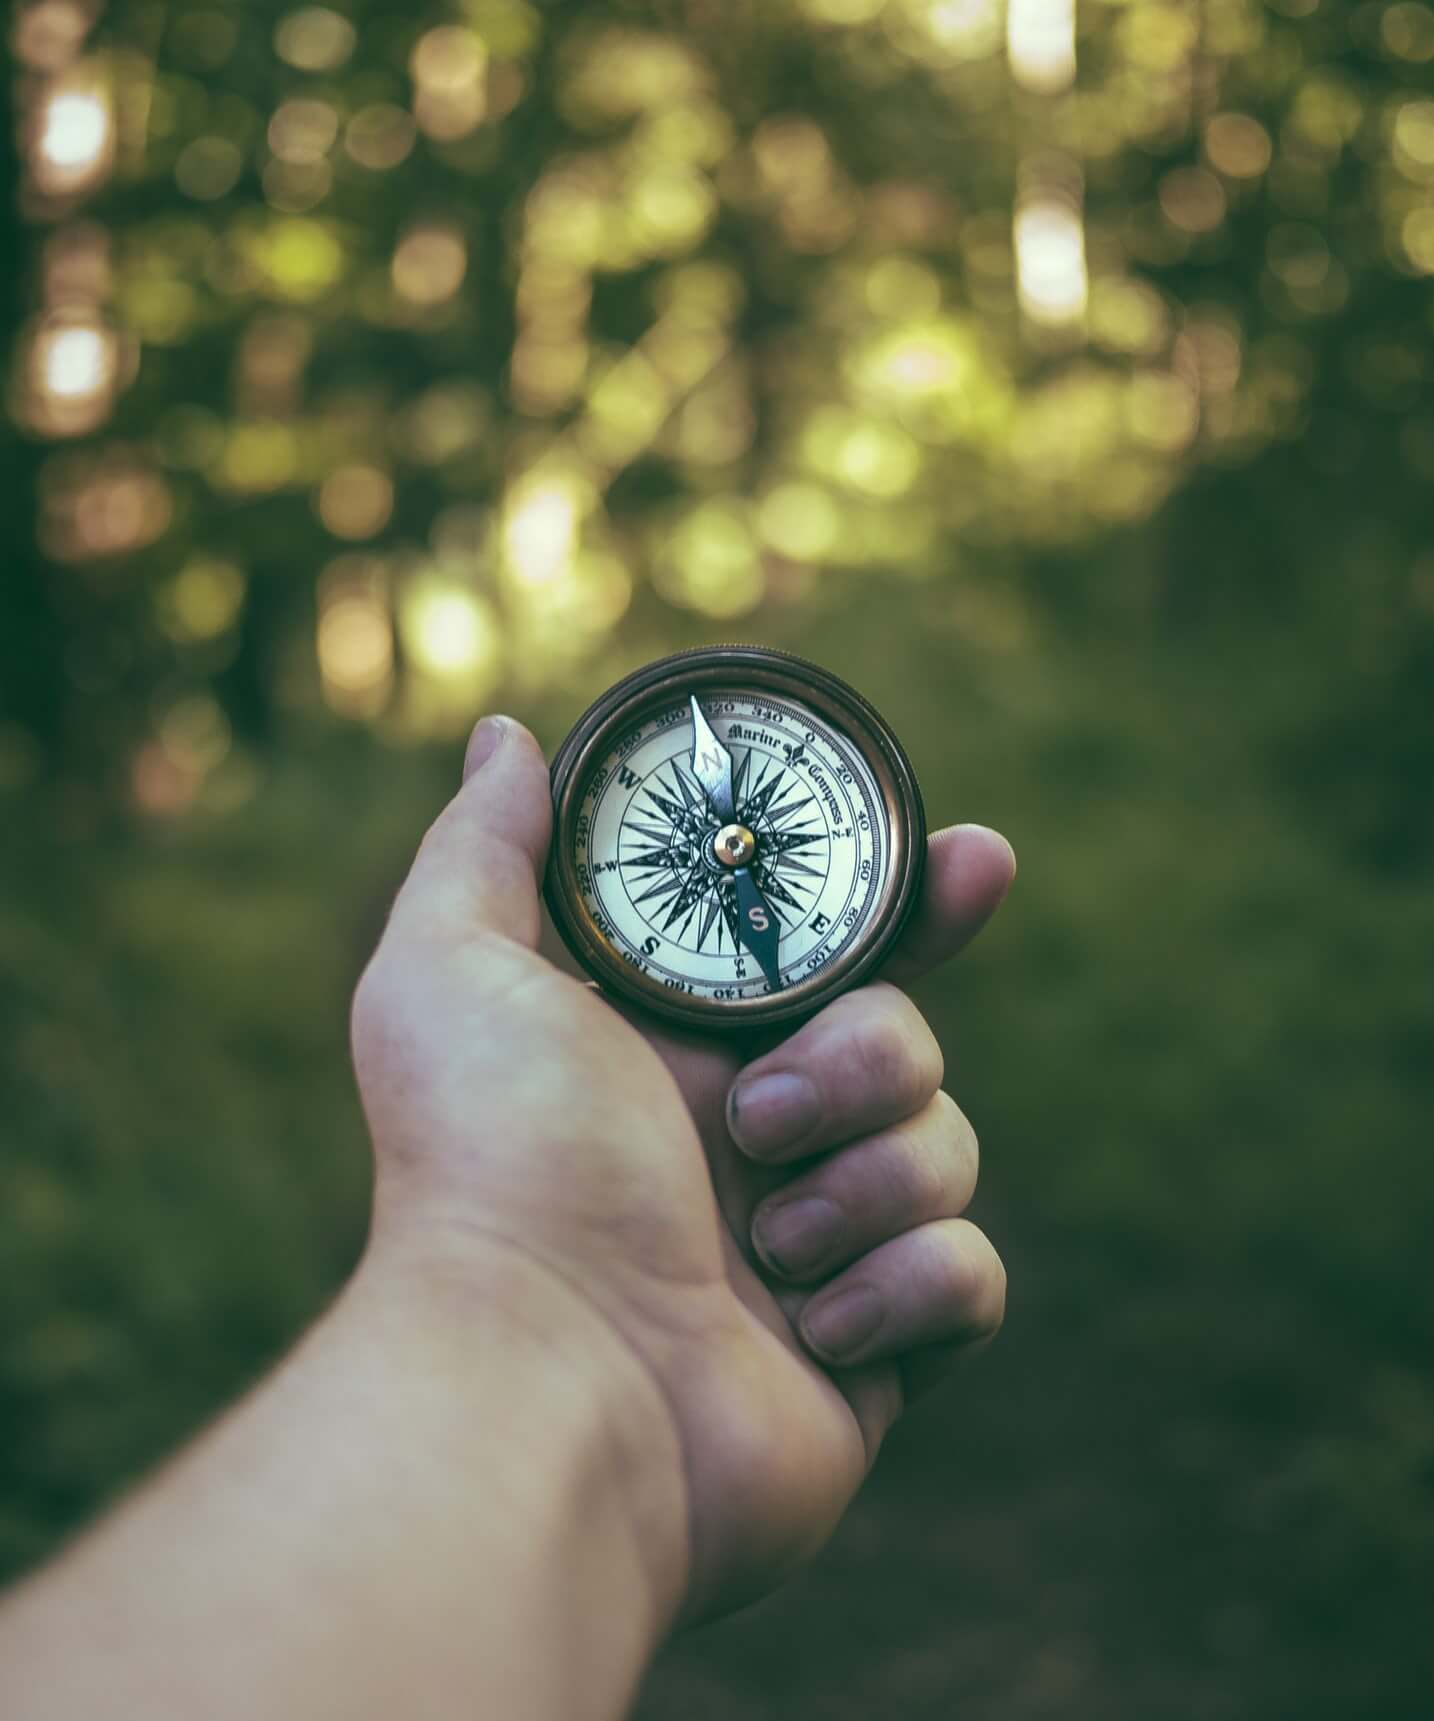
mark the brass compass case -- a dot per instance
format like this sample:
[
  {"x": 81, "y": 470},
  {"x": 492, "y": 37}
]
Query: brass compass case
[{"x": 714, "y": 680}]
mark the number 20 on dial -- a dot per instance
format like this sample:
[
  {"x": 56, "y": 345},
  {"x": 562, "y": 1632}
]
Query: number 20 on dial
[{"x": 738, "y": 836}]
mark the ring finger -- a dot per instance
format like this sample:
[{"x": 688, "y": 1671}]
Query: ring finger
[{"x": 862, "y": 1195}]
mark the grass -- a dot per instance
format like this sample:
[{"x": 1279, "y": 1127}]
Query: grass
[{"x": 1196, "y": 1475}]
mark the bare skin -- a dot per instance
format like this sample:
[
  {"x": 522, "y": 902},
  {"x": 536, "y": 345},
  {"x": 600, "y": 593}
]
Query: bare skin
[{"x": 588, "y": 1382}]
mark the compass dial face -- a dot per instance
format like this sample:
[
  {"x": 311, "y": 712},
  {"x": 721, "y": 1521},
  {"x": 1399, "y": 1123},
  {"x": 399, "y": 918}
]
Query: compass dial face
[
  {"x": 646, "y": 850},
  {"x": 738, "y": 836}
]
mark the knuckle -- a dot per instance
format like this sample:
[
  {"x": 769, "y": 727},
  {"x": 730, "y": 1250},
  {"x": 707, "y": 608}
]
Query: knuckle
[
  {"x": 970, "y": 1278},
  {"x": 990, "y": 1280},
  {"x": 958, "y": 1275},
  {"x": 924, "y": 1178},
  {"x": 882, "y": 1045},
  {"x": 897, "y": 1053},
  {"x": 939, "y": 1159},
  {"x": 959, "y": 1135}
]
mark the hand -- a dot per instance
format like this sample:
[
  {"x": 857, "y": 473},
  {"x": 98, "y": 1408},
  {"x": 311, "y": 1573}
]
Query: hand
[{"x": 626, "y": 1196}]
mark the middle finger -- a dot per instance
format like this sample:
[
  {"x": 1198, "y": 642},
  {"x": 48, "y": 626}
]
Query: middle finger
[{"x": 867, "y": 1061}]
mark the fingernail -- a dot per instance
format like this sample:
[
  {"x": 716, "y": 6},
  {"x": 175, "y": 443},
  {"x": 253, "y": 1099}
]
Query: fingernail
[
  {"x": 482, "y": 744},
  {"x": 796, "y": 1236},
  {"x": 770, "y": 1112},
  {"x": 838, "y": 1326}
]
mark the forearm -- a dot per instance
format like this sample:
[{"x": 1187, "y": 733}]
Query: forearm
[{"x": 425, "y": 1512}]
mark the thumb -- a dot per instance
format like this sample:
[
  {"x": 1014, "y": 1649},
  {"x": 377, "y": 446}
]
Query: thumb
[{"x": 480, "y": 867}]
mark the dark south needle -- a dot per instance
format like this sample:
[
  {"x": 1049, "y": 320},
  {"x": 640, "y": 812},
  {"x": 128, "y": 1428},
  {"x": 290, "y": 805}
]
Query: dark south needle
[{"x": 735, "y": 846}]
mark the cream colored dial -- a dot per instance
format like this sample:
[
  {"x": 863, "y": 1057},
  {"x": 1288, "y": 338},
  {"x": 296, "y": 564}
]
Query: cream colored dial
[{"x": 648, "y": 841}]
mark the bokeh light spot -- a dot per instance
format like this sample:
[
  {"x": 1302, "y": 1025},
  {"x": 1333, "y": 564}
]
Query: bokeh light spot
[
  {"x": 75, "y": 141},
  {"x": 72, "y": 374},
  {"x": 710, "y": 562},
  {"x": 1040, "y": 43},
  {"x": 1407, "y": 30},
  {"x": 799, "y": 520},
  {"x": 670, "y": 211},
  {"x": 202, "y": 601},
  {"x": 380, "y": 136},
  {"x": 1050, "y": 261},
  {"x": 108, "y": 506},
  {"x": 77, "y": 361},
  {"x": 954, "y": 29},
  {"x": 1417, "y": 235},
  {"x": 356, "y": 501},
  {"x": 1237, "y": 145},
  {"x": 902, "y": 287},
  {"x": 449, "y": 66},
  {"x": 259, "y": 457},
  {"x": 303, "y": 131},
  {"x": 1192, "y": 199},
  {"x": 354, "y": 640},
  {"x": 429, "y": 264},
  {"x": 1414, "y": 139},
  {"x": 450, "y": 631},
  {"x": 541, "y": 524},
  {"x": 1128, "y": 316},
  {"x": 46, "y": 36},
  {"x": 300, "y": 259},
  {"x": 315, "y": 39}
]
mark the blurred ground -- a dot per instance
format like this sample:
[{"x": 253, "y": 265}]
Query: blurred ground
[{"x": 1194, "y": 1478}]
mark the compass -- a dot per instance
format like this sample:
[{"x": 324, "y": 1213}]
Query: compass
[{"x": 738, "y": 837}]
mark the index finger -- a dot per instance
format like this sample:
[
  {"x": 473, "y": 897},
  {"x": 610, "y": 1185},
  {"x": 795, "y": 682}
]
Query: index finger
[{"x": 968, "y": 872}]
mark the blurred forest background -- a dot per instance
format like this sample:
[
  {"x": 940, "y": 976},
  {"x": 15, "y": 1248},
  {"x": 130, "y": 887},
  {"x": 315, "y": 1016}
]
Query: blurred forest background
[{"x": 1061, "y": 375}]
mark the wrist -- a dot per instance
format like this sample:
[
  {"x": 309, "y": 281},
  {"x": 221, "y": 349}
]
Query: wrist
[{"x": 558, "y": 1402}]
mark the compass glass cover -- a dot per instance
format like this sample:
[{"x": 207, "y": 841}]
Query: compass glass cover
[{"x": 647, "y": 841}]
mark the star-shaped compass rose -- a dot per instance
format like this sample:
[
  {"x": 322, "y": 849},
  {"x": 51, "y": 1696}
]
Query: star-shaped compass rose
[{"x": 668, "y": 852}]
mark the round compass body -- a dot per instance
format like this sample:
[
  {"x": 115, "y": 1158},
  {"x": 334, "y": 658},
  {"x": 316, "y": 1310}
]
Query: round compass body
[{"x": 738, "y": 836}]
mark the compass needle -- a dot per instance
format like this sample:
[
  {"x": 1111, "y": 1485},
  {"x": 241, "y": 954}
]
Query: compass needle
[
  {"x": 711, "y": 765},
  {"x": 759, "y": 925}
]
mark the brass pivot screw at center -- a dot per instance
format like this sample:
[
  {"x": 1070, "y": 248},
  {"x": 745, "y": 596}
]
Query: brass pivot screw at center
[{"x": 734, "y": 845}]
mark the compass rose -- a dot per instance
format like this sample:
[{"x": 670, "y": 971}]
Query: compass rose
[{"x": 670, "y": 868}]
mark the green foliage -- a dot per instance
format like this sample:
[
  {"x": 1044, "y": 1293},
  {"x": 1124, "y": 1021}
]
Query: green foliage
[
  {"x": 466, "y": 344},
  {"x": 1086, "y": 428}
]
